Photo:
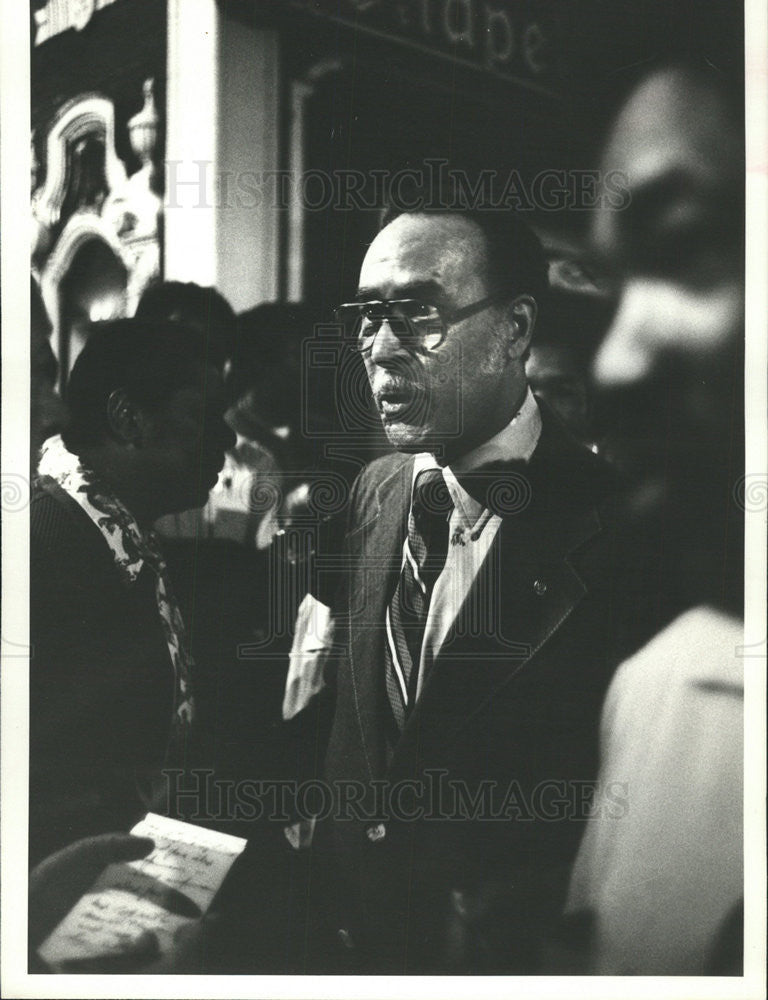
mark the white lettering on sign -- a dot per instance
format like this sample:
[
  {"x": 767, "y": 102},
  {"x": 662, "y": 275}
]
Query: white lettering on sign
[
  {"x": 500, "y": 38},
  {"x": 458, "y": 21},
  {"x": 61, "y": 15},
  {"x": 498, "y": 35}
]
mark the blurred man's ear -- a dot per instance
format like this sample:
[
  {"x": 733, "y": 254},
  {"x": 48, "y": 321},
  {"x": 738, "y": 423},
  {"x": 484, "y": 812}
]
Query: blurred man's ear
[
  {"x": 523, "y": 312},
  {"x": 125, "y": 419}
]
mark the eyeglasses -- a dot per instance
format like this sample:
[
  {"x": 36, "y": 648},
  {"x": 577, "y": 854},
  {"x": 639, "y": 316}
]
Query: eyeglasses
[{"x": 418, "y": 325}]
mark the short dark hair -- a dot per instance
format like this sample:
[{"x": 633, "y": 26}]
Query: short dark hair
[
  {"x": 197, "y": 306},
  {"x": 516, "y": 260},
  {"x": 150, "y": 361}
]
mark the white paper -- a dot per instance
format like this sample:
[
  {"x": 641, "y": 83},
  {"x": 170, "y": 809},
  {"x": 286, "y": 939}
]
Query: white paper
[{"x": 132, "y": 897}]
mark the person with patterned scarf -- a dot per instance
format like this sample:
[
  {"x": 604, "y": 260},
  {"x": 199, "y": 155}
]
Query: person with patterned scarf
[{"x": 111, "y": 677}]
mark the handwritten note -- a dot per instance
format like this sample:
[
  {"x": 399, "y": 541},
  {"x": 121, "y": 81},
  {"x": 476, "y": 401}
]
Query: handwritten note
[{"x": 172, "y": 886}]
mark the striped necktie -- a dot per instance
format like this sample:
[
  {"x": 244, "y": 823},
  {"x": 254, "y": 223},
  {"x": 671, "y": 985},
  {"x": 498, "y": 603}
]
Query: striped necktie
[{"x": 424, "y": 553}]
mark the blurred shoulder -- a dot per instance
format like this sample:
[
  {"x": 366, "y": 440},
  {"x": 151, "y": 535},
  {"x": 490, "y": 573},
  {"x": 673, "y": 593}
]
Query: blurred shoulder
[{"x": 695, "y": 655}]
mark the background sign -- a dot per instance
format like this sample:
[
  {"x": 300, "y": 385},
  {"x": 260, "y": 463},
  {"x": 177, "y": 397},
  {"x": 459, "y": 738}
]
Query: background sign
[{"x": 507, "y": 38}]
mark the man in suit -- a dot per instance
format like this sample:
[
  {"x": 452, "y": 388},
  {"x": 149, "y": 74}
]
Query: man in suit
[{"x": 479, "y": 617}]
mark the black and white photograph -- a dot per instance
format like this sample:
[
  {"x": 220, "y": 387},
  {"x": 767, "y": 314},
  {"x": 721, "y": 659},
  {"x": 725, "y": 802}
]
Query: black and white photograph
[{"x": 384, "y": 498}]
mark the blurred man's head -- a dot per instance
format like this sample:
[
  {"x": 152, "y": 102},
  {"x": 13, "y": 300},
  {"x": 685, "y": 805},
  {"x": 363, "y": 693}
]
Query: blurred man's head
[
  {"x": 447, "y": 305},
  {"x": 670, "y": 369},
  {"x": 557, "y": 377},
  {"x": 267, "y": 369},
  {"x": 147, "y": 413},
  {"x": 282, "y": 400},
  {"x": 568, "y": 332},
  {"x": 47, "y": 411},
  {"x": 670, "y": 364},
  {"x": 202, "y": 308}
]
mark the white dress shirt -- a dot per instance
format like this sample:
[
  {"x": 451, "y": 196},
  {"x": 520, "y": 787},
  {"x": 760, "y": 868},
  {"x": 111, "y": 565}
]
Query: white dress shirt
[{"x": 472, "y": 528}]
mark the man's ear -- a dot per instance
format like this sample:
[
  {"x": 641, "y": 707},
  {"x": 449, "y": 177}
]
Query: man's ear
[
  {"x": 523, "y": 312},
  {"x": 124, "y": 418}
]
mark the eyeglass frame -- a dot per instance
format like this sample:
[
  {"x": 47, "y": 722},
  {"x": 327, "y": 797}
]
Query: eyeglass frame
[{"x": 457, "y": 316}]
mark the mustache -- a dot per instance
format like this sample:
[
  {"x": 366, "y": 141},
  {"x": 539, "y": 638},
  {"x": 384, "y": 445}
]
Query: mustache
[
  {"x": 399, "y": 379},
  {"x": 396, "y": 387}
]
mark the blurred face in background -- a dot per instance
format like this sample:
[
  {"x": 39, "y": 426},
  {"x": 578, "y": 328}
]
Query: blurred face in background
[
  {"x": 670, "y": 368},
  {"x": 556, "y": 375}
]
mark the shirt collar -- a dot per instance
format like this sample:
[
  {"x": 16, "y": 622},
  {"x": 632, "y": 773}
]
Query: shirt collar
[
  {"x": 514, "y": 443},
  {"x": 131, "y": 548}
]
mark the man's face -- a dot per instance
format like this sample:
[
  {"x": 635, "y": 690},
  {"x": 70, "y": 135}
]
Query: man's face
[
  {"x": 453, "y": 398},
  {"x": 669, "y": 365},
  {"x": 184, "y": 443}
]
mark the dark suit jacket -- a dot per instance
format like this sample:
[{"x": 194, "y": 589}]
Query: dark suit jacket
[
  {"x": 101, "y": 680},
  {"x": 507, "y": 720}
]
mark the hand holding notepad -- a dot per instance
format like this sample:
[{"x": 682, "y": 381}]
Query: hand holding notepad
[{"x": 173, "y": 886}]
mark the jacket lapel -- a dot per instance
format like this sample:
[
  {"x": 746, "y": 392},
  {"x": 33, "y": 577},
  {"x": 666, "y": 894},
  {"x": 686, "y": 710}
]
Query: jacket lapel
[
  {"x": 375, "y": 552},
  {"x": 526, "y": 591}
]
